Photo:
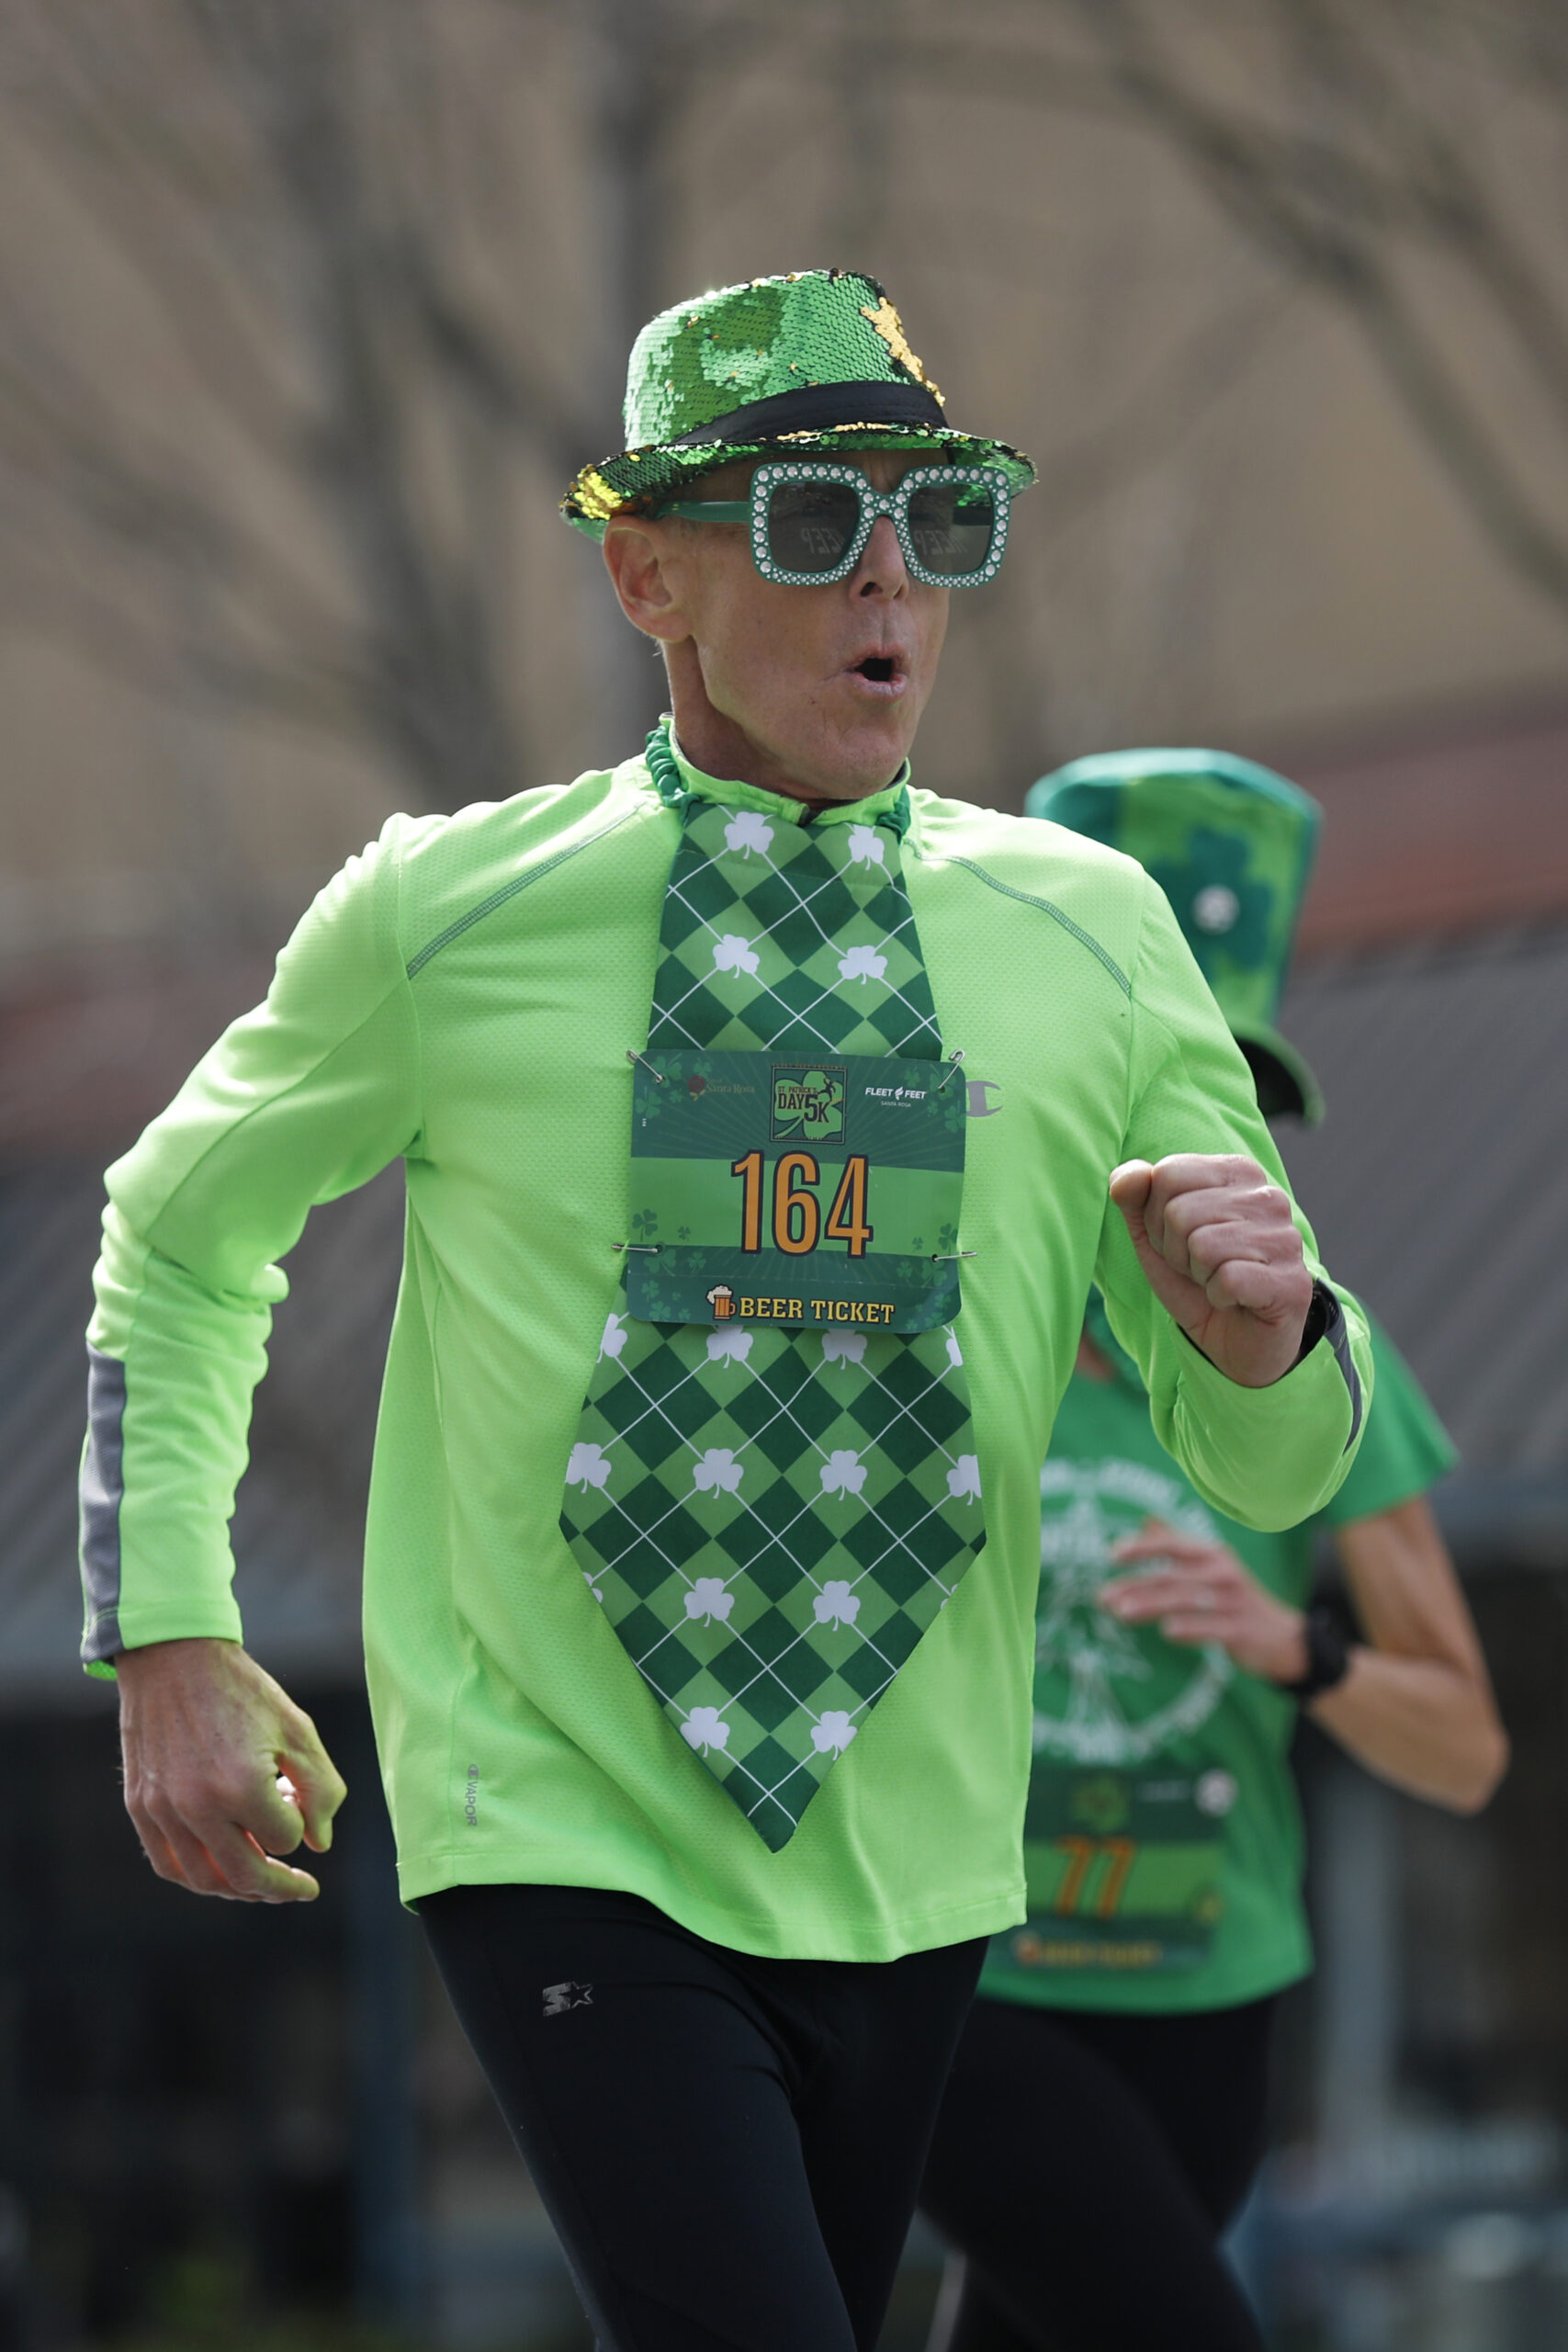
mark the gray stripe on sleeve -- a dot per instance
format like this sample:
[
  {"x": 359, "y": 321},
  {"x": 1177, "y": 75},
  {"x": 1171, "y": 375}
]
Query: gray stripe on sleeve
[
  {"x": 103, "y": 1486},
  {"x": 1337, "y": 1331}
]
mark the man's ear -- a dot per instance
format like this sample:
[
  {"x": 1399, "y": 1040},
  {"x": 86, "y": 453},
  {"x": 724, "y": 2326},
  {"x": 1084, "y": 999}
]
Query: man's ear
[{"x": 636, "y": 556}]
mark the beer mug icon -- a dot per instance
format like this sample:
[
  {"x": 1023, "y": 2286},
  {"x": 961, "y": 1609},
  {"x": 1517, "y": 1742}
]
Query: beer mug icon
[{"x": 721, "y": 1298}]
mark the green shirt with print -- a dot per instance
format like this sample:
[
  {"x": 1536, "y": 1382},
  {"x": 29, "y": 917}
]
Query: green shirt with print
[
  {"x": 1162, "y": 1838},
  {"x": 464, "y": 997}
]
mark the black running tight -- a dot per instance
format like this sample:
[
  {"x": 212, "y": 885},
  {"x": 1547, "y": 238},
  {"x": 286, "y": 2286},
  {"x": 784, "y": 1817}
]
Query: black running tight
[
  {"x": 1085, "y": 2166},
  {"x": 728, "y": 2147}
]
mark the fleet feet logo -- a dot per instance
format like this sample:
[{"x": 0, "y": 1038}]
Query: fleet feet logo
[
  {"x": 558, "y": 1998},
  {"x": 809, "y": 1100}
]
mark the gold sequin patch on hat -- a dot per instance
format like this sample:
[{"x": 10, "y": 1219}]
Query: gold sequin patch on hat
[
  {"x": 890, "y": 327},
  {"x": 595, "y": 497}
]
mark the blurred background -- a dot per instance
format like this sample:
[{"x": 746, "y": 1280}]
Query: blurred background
[{"x": 308, "y": 312}]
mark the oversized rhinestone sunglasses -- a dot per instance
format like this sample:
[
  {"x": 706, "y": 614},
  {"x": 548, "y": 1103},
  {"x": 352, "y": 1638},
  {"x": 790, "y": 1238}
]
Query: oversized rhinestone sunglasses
[{"x": 810, "y": 522}]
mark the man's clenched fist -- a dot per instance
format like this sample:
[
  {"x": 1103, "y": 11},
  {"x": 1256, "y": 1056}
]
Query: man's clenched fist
[
  {"x": 1219, "y": 1247},
  {"x": 223, "y": 1774}
]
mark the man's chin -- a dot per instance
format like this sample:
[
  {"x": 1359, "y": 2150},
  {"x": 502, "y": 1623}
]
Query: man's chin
[
  {"x": 860, "y": 750},
  {"x": 860, "y": 769},
  {"x": 827, "y": 747}
]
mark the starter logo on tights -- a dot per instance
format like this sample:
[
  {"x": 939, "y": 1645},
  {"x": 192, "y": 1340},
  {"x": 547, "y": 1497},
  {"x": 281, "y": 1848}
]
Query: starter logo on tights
[{"x": 558, "y": 1998}]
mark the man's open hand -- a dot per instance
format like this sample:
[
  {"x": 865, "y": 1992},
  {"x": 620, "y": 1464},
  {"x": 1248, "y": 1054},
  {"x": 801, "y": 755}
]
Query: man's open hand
[
  {"x": 1220, "y": 1249},
  {"x": 207, "y": 1737}
]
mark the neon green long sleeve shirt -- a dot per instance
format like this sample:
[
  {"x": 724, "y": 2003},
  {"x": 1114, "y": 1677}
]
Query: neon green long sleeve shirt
[{"x": 462, "y": 996}]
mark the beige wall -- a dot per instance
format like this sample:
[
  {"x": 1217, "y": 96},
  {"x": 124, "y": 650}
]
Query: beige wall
[{"x": 1239, "y": 537}]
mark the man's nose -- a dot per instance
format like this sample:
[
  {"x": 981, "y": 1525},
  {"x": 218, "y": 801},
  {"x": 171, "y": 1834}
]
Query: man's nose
[{"x": 881, "y": 569}]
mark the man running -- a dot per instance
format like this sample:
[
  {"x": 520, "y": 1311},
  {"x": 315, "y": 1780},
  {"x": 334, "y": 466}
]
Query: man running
[
  {"x": 703, "y": 1538},
  {"x": 1108, "y": 2098}
]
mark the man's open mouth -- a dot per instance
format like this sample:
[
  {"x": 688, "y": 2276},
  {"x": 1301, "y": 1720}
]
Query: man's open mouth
[{"x": 880, "y": 668}]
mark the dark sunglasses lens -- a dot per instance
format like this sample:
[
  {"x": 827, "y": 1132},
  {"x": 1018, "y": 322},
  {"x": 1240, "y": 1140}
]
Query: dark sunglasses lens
[
  {"x": 810, "y": 524},
  {"x": 951, "y": 525}
]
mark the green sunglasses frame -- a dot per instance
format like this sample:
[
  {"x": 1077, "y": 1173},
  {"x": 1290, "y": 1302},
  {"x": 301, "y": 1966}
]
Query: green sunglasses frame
[{"x": 894, "y": 503}]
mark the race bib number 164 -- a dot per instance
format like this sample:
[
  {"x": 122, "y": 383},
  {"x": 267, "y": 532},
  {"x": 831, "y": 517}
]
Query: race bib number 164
[{"x": 819, "y": 1193}]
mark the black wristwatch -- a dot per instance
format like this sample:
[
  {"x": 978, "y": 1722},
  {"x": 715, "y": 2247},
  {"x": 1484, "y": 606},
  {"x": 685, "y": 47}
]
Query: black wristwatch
[{"x": 1328, "y": 1654}]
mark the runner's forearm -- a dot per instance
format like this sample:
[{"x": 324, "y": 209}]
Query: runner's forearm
[
  {"x": 1416, "y": 1706},
  {"x": 301, "y": 1100},
  {"x": 1420, "y": 1723},
  {"x": 1269, "y": 1457}
]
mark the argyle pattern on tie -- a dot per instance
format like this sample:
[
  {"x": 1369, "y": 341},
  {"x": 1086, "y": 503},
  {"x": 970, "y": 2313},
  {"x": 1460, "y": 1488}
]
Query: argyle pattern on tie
[{"x": 769, "y": 1518}]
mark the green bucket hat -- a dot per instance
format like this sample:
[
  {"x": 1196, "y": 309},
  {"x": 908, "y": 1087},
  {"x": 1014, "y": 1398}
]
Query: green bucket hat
[
  {"x": 1231, "y": 844},
  {"x": 817, "y": 360}
]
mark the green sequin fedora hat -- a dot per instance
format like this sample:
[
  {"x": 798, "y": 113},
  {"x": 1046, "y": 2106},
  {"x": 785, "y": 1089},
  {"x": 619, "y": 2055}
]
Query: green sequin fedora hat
[
  {"x": 781, "y": 366},
  {"x": 1231, "y": 844}
]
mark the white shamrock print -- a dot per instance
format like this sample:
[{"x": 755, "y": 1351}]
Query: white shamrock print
[
  {"x": 843, "y": 1347},
  {"x": 836, "y": 1605},
  {"x": 731, "y": 1340},
  {"x": 589, "y": 1466},
  {"x": 704, "y": 1727},
  {"x": 861, "y": 963},
  {"x": 964, "y": 1479},
  {"x": 954, "y": 1352},
  {"x": 615, "y": 1340},
  {"x": 833, "y": 1731},
  {"x": 865, "y": 847},
  {"x": 747, "y": 831},
  {"x": 844, "y": 1473},
  {"x": 708, "y": 1600},
  {"x": 733, "y": 953},
  {"x": 717, "y": 1467},
  {"x": 588, "y": 1581}
]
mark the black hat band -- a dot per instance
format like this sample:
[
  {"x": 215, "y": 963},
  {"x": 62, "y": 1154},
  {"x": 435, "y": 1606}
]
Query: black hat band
[{"x": 819, "y": 408}]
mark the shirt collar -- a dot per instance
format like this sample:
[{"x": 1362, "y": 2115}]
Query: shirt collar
[{"x": 890, "y": 807}]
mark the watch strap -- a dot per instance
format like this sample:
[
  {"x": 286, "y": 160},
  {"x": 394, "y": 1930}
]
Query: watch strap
[{"x": 1328, "y": 1653}]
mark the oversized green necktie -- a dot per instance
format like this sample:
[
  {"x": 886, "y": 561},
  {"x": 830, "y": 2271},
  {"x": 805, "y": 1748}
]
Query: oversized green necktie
[{"x": 770, "y": 1518}]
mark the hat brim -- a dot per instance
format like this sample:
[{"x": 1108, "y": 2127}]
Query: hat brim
[
  {"x": 1286, "y": 1087},
  {"x": 630, "y": 483}
]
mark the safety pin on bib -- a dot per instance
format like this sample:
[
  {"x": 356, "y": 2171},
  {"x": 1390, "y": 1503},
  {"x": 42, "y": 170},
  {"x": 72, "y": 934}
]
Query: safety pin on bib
[
  {"x": 954, "y": 1058},
  {"x": 950, "y": 1256},
  {"x": 657, "y": 1075}
]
